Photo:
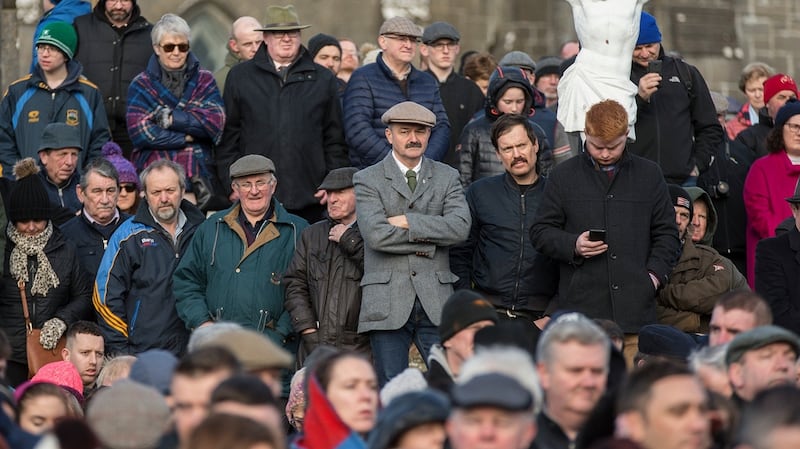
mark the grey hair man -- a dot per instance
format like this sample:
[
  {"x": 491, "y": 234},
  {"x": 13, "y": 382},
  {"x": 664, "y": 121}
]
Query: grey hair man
[
  {"x": 573, "y": 363},
  {"x": 761, "y": 358}
]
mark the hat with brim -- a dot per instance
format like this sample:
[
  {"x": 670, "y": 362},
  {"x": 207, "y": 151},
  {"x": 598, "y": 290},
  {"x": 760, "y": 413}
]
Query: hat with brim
[
  {"x": 795, "y": 199},
  {"x": 758, "y": 338},
  {"x": 252, "y": 164},
  {"x": 492, "y": 390},
  {"x": 338, "y": 179},
  {"x": 282, "y": 18},
  {"x": 409, "y": 112},
  {"x": 59, "y": 135}
]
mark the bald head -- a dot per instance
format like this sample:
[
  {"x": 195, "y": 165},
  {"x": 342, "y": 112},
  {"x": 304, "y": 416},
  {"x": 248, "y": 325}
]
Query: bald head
[{"x": 245, "y": 40}]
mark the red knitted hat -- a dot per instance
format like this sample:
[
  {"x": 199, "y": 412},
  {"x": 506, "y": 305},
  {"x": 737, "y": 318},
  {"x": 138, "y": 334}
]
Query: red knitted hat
[{"x": 777, "y": 83}]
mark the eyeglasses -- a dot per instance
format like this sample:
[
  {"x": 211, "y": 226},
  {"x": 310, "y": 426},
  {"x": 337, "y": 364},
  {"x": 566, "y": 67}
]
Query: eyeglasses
[
  {"x": 444, "y": 45},
  {"x": 404, "y": 39},
  {"x": 122, "y": 2},
  {"x": 45, "y": 48},
  {"x": 248, "y": 186},
  {"x": 169, "y": 48},
  {"x": 290, "y": 34},
  {"x": 130, "y": 188},
  {"x": 795, "y": 128}
]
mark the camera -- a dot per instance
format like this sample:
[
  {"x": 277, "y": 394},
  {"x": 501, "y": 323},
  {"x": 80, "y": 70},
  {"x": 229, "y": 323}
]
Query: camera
[{"x": 719, "y": 190}]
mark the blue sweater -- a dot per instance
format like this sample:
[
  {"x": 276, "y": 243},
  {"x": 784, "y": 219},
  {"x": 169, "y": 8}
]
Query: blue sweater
[{"x": 371, "y": 91}]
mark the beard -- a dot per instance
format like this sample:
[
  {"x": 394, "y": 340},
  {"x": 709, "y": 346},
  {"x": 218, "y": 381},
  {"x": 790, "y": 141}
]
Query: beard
[
  {"x": 166, "y": 213},
  {"x": 118, "y": 15}
]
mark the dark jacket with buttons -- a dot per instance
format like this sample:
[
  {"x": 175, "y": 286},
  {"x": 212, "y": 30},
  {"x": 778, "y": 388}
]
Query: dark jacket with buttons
[
  {"x": 634, "y": 208},
  {"x": 90, "y": 240},
  {"x": 323, "y": 288}
]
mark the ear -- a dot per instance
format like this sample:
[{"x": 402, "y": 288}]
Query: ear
[
  {"x": 630, "y": 425},
  {"x": 544, "y": 376},
  {"x": 735, "y": 375},
  {"x": 232, "y": 45},
  {"x": 424, "y": 50},
  {"x": 530, "y": 432},
  {"x": 65, "y": 354},
  {"x": 382, "y": 42},
  {"x": 81, "y": 193},
  {"x": 388, "y": 133}
]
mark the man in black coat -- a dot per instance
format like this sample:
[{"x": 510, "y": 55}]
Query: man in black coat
[
  {"x": 778, "y": 271},
  {"x": 607, "y": 218},
  {"x": 113, "y": 47},
  {"x": 283, "y": 106}
]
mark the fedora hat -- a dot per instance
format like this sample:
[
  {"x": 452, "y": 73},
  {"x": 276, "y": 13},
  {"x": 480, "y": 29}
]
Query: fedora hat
[{"x": 282, "y": 18}]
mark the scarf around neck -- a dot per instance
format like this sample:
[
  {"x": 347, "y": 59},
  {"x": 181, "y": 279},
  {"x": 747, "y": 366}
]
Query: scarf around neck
[
  {"x": 174, "y": 80},
  {"x": 25, "y": 246}
]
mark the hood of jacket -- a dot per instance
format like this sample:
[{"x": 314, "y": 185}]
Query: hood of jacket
[
  {"x": 74, "y": 73},
  {"x": 696, "y": 193},
  {"x": 503, "y": 78}
]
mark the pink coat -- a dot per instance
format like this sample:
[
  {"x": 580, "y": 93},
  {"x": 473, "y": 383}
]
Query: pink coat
[{"x": 769, "y": 182}]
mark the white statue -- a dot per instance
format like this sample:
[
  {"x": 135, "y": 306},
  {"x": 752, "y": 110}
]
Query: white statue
[{"x": 607, "y": 31}]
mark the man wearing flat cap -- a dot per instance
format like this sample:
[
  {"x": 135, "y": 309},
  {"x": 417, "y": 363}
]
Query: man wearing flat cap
[
  {"x": 323, "y": 292},
  {"x": 461, "y": 97},
  {"x": 283, "y": 106},
  {"x": 374, "y": 88},
  {"x": 760, "y": 358},
  {"x": 233, "y": 267},
  {"x": 59, "y": 153},
  {"x": 411, "y": 210}
]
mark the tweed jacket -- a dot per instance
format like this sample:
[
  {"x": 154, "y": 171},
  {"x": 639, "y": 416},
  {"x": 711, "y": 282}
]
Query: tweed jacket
[{"x": 401, "y": 264}]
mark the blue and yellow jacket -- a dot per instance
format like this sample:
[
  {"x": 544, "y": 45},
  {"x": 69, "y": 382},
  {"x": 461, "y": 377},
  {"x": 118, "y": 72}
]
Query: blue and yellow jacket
[{"x": 133, "y": 296}]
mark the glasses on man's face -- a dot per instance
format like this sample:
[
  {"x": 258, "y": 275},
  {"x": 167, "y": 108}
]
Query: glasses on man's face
[
  {"x": 441, "y": 46},
  {"x": 261, "y": 184},
  {"x": 402, "y": 39},
  {"x": 169, "y": 48},
  {"x": 129, "y": 188},
  {"x": 793, "y": 127},
  {"x": 121, "y": 2},
  {"x": 291, "y": 34}
]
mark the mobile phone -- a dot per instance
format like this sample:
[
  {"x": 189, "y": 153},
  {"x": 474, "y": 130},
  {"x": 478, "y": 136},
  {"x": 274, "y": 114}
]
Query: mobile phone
[
  {"x": 654, "y": 67},
  {"x": 597, "y": 235}
]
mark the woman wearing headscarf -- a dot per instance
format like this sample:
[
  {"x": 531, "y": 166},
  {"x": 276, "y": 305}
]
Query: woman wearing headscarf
[{"x": 40, "y": 260}]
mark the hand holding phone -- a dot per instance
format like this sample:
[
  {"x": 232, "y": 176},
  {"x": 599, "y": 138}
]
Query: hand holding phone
[
  {"x": 655, "y": 66},
  {"x": 597, "y": 235}
]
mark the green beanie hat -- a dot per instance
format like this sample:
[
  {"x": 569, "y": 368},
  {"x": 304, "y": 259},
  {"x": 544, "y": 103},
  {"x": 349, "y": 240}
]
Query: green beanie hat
[{"x": 60, "y": 35}]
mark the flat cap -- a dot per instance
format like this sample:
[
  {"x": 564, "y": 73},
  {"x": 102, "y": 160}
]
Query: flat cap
[
  {"x": 252, "y": 164},
  {"x": 757, "y": 338},
  {"x": 440, "y": 30},
  {"x": 492, "y": 390},
  {"x": 409, "y": 112},
  {"x": 254, "y": 350},
  {"x": 400, "y": 26},
  {"x": 519, "y": 59},
  {"x": 338, "y": 179},
  {"x": 549, "y": 65},
  {"x": 665, "y": 341},
  {"x": 59, "y": 135}
]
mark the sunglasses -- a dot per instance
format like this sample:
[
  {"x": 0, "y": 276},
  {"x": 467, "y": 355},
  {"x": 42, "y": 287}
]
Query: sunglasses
[
  {"x": 169, "y": 48},
  {"x": 130, "y": 188}
]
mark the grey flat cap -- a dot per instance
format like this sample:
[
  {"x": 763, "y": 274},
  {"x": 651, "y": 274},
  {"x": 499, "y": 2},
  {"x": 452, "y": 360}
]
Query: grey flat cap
[
  {"x": 518, "y": 58},
  {"x": 492, "y": 390},
  {"x": 409, "y": 112},
  {"x": 60, "y": 135},
  {"x": 338, "y": 179},
  {"x": 400, "y": 26},
  {"x": 440, "y": 30},
  {"x": 252, "y": 164},
  {"x": 757, "y": 338}
]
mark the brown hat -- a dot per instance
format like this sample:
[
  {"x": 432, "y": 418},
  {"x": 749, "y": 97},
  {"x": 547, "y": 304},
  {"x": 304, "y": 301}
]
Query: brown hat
[
  {"x": 338, "y": 179},
  {"x": 400, "y": 26},
  {"x": 282, "y": 18},
  {"x": 255, "y": 351},
  {"x": 252, "y": 164},
  {"x": 409, "y": 112}
]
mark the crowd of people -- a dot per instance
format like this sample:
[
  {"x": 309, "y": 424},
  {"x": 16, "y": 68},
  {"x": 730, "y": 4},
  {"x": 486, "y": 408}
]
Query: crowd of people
[{"x": 321, "y": 246}]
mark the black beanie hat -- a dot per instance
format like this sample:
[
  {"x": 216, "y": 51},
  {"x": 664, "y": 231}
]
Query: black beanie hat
[
  {"x": 318, "y": 41},
  {"x": 681, "y": 197},
  {"x": 463, "y": 308},
  {"x": 28, "y": 199}
]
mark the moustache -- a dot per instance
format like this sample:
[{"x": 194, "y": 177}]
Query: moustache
[
  {"x": 414, "y": 145},
  {"x": 519, "y": 159}
]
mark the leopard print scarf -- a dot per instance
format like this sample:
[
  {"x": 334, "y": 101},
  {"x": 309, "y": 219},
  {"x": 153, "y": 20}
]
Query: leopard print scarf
[{"x": 24, "y": 246}]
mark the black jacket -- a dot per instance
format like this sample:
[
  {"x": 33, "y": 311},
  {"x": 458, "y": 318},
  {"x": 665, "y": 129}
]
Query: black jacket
[
  {"x": 90, "y": 239},
  {"x": 70, "y": 301},
  {"x": 297, "y": 123},
  {"x": 461, "y": 98},
  {"x": 677, "y": 129},
  {"x": 635, "y": 209},
  {"x": 112, "y": 57},
  {"x": 502, "y": 216},
  {"x": 755, "y": 137},
  {"x": 323, "y": 289},
  {"x": 778, "y": 277}
]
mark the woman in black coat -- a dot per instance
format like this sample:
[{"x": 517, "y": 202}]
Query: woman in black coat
[{"x": 39, "y": 259}]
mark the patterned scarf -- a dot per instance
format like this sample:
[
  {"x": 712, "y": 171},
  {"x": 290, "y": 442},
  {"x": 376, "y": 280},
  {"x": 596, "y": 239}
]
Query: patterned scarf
[{"x": 45, "y": 278}]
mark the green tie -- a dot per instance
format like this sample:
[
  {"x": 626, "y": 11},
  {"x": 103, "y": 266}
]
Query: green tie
[{"x": 411, "y": 175}]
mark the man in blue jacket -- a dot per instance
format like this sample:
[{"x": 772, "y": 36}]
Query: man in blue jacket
[{"x": 375, "y": 88}]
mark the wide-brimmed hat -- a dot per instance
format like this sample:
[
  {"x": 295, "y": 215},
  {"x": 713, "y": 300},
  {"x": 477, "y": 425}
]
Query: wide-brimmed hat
[
  {"x": 282, "y": 18},
  {"x": 796, "y": 197}
]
